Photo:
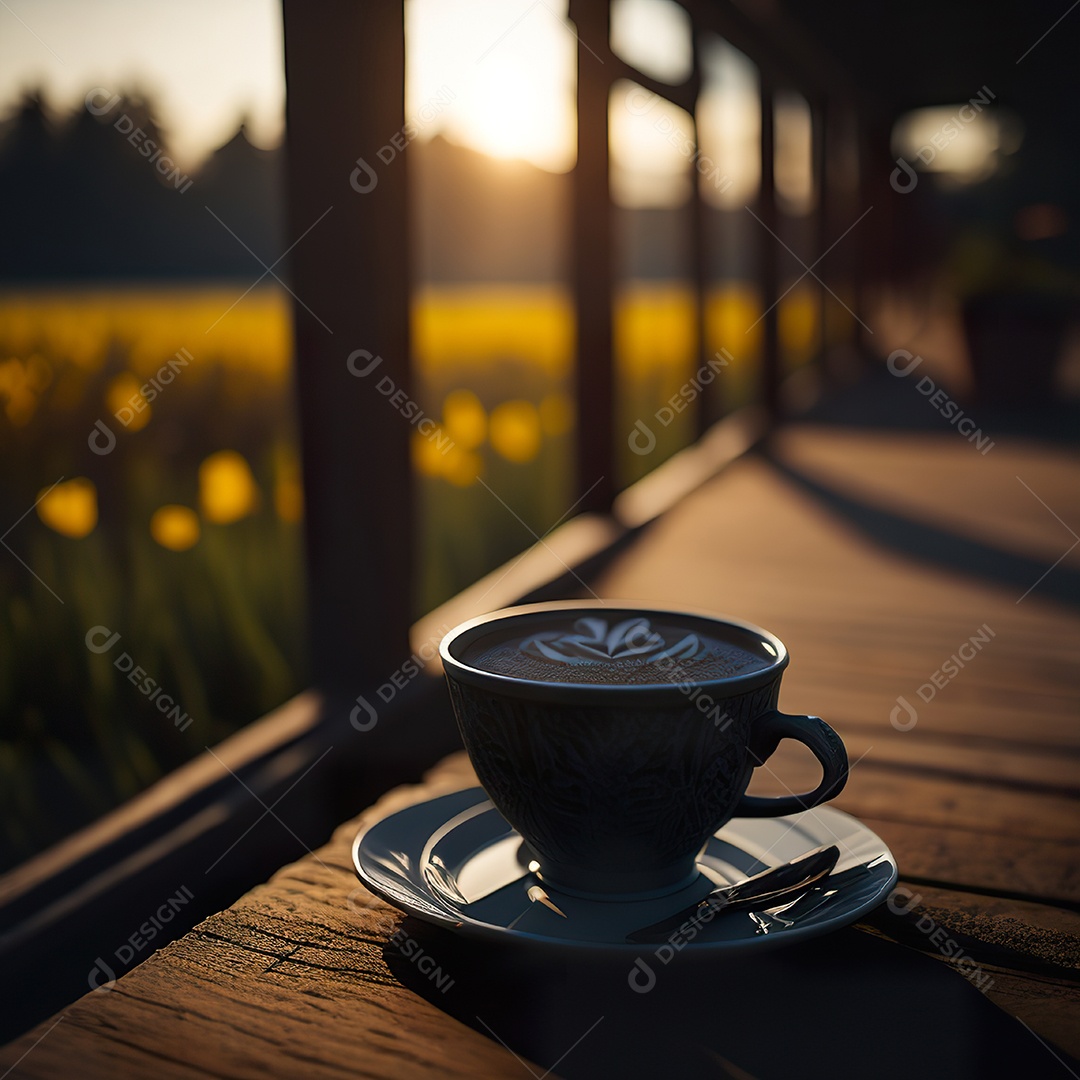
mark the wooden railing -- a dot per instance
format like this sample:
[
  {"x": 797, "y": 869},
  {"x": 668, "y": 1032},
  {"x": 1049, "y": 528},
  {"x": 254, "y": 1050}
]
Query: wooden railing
[{"x": 785, "y": 62}]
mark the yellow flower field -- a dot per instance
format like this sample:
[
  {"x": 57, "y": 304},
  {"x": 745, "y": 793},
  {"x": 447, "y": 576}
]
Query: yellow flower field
[{"x": 152, "y": 473}]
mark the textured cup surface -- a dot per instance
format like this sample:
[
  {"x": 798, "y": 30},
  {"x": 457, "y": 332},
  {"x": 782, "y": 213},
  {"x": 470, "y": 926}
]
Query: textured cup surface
[{"x": 614, "y": 787}]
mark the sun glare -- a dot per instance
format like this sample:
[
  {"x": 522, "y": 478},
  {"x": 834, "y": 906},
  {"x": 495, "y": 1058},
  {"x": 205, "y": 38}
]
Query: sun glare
[
  {"x": 655, "y": 36},
  {"x": 508, "y": 114},
  {"x": 497, "y": 76},
  {"x": 729, "y": 114},
  {"x": 507, "y": 69},
  {"x": 651, "y": 146}
]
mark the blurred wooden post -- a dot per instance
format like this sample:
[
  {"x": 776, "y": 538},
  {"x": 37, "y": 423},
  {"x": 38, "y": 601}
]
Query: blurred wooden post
[
  {"x": 345, "y": 71},
  {"x": 820, "y": 119},
  {"x": 843, "y": 208},
  {"x": 769, "y": 250},
  {"x": 709, "y": 406},
  {"x": 876, "y": 162},
  {"x": 592, "y": 261}
]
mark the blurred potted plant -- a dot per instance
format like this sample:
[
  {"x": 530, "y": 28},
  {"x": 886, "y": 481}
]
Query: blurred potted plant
[{"x": 1017, "y": 308}]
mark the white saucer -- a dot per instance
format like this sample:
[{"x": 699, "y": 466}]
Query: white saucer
[{"x": 427, "y": 858}]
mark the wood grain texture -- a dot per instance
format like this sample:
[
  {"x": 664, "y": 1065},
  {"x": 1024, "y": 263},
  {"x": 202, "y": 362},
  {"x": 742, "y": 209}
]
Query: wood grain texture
[
  {"x": 875, "y": 557},
  {"x": 294, "y": 980},
  {"x": 866, "y": 617},
  {"x": 289, "y": 981},
  {"x": 978, "y": 799}
]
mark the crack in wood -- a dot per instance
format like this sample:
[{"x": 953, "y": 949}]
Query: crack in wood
[{"x": 281, "y": 960}]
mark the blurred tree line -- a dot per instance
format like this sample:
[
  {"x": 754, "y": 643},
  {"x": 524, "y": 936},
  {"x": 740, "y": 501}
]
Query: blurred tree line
[{"x": 90, "y": 197}]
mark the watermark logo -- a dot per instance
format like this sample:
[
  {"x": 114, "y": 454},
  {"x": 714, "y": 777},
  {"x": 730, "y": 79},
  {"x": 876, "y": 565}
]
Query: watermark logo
[
  {"x": 147, "y": 147},
  {"x": 902, "y": 363},
  {"x": 102, "y": 439},
  {"x": 637, "y": 984},
  {"x": 902, "y": 901},
  {"x": 364, "y": 715},
  {"x": 95, "y": 980},
  {"x": 641, "y": 977},
  {"x": 97, "y": 107},
  {"x": 363, "y": 708},
  {"x": 364, "y": 178},
  {"x": 640, "y": 102},
  {"x": 903, "y": 716},
  {"x": 904, "y": 178},
  {"x": 361, "y": 363},
  {"x": 100, "y": 639},
  {"x": 360, "y": 901},
  {"x": 102, "y": 975},
  {"x": 694, "y": 692},
  {"x": 642, "y": 438}
]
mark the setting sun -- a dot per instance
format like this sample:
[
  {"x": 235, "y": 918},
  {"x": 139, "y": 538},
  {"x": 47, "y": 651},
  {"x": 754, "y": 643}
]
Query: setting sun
[
  {"x": 510, "y": 69},
  {"x": 508, "y": 114}
]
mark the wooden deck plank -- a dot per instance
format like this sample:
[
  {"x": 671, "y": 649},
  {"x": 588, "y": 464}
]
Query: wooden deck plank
[
  {"x": 980, "y": 790},
  {"x": 945, "y": 481},
  {"x": 909, "y": 796},
  {"x": 866, "y": 624},
  {"x": 968, "y": 757},
  {"x": 293, "y": 979}
]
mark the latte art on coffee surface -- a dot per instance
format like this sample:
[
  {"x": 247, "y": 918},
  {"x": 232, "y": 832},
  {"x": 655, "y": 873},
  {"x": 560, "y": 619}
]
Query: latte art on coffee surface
[
  {"x": 629, "y": 650},
  {"x": 591, "y": 641}
]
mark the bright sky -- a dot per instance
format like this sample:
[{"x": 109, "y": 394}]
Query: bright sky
[
  {"x": 510, "y": 66},
  {"x": 205, "y": 63},
  {"x": 496, "y": 75}
]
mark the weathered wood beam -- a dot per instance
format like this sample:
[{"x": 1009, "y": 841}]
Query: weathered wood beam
[
  {"x": 769, "y": 251},
  {"x": 592, "y": 260},
  {"x": 347, "y": 210}
]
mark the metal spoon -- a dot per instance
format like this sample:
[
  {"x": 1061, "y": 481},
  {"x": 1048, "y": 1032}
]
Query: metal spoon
[{"x": 777, "y": 885}]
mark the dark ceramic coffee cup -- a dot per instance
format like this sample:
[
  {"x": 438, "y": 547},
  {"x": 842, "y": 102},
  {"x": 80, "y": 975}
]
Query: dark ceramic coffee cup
[{"x": 616, "y": 786}]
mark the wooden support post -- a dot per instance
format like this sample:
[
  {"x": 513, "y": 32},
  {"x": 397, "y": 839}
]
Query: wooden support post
[
  {"x": 592, "y": 261},
  {"x": 769, "y": 270},
  {"x": 345, "y": 70},
  {"x": 844, "y": 207},
  {"x": 709, "y": 406},
  {"x": 820, "y": 119}
]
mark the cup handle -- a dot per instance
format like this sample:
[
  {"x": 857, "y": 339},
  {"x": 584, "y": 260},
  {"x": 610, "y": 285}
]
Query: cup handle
[{"x": 826, "y": 746}]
